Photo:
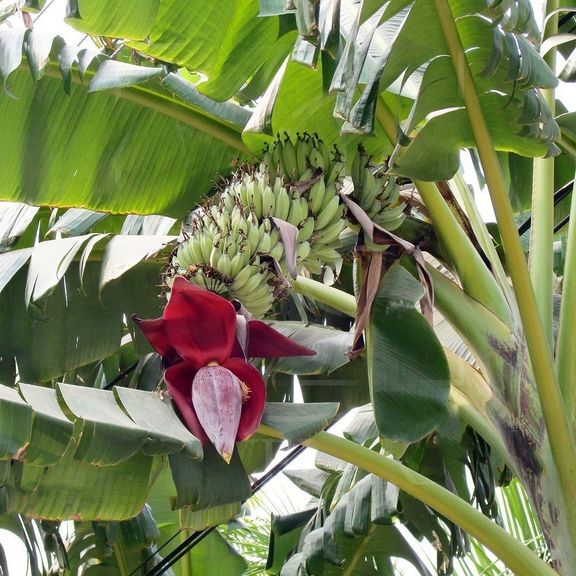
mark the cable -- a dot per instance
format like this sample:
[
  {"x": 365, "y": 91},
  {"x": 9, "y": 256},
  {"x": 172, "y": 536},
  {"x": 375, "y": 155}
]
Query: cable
[
  {"x": 558, "y": 196},
  {"x": 121, "y": 376},
  {"x": 195, "y": 538}
]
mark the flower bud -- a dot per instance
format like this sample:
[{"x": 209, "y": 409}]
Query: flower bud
[{"x": 217, "y": 401}]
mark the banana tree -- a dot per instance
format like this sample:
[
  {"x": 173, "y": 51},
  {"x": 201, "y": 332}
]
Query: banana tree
[{"x": 174, "y": 94}]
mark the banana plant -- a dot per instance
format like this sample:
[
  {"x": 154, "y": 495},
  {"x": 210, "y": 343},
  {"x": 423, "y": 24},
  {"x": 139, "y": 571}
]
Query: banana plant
[{"x": 168, "y": 104}]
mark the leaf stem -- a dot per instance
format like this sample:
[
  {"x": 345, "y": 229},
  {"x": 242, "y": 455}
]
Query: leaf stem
[
  {"x": 338, "y": 299},
  {"x": 565, "y": 357},
  {"x": 557, "y": 424},
  {"x": 542, "y": 234},
  {"x": 520, "y": 559},
  {"x": 484, "y": 237},
  {"x": 476, "y": 279}
]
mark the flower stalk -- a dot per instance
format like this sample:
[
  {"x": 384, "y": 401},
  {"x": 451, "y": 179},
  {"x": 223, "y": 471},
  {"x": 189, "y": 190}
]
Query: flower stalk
[{"x": 519, "y": 558}]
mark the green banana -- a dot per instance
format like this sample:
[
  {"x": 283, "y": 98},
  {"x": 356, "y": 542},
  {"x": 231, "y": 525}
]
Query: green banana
[
  {"x": 316, "y": 196},
  {"x": 329, "y": 213}
]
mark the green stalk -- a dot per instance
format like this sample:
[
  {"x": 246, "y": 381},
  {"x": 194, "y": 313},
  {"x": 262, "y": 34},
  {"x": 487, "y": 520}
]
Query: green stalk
[
  {"x": 484, "y": 237},
  {"x": 476, "y": 279},
  {"x": 517, "y": 557},
  {"x": 338, "y": 299},
  {"x": 542, "y": 231},
  {"x": 541, "y": 240},
  {"x": 557, "y": 424},
  {"x": 565, "y": 356}
]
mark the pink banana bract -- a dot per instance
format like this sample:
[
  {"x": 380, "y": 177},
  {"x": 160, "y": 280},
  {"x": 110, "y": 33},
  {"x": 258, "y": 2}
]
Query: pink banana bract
[{"x": 219, "y": 395}]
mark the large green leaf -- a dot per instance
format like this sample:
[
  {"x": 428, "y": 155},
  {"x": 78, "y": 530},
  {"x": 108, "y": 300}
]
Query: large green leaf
[
  {"x": 297, "y": 422},
  {"x": 134, "y": 150},
  {"x": 226, "y": 42},
  {"x": 408, "y": 372},
  {"x": 214, "y": 550},
  {"x": 74, "y": 489},
  {"x": 329, "y": 344}
]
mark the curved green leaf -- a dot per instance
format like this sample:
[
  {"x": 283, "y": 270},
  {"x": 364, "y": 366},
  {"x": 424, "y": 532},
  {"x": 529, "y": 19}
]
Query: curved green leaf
[
  {"x": 330, "y": 345},
  {"x": 297, "y": 422},
  {"x": 132, "y": 150},
  {"x": 408, "y": 371},
  {"x": 112, "y": 74}
]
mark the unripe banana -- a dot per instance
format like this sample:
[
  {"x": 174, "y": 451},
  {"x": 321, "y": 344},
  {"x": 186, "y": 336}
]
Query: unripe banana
[
  {"x": 316, "y": 195},
  {"x": 283, "y": 204},
  {"x": 242, "y": 192},
  {"x": 238, "y": 262},
  {"x": 223, "y": 264},
  {"x": 303, "y": 251},
  {"x": 336, "y": 171},
  {"x": 289, "y": 158},
  {"x": 316, "y": 159},
  {"x": 252, "y": 283},
  {"x": 253, "y": 238},
  {"x": 255, "y": 197},
  {"x": 297, "y": 211},
  {"x": 323, "y": 149},
  {"x": 264, "y": 245},
  {"x": 277, "y": 252},
  {"x": 277, "y": 158},
  {"x": 214, "y": 257},
  {"x": 329, "y": 213},
  {"x": 229, "y": 202},
  {"x": 329, "y": 195},
  {"x": 330, "y": 233},
  {"x": 268, "y": 202},
  {"x": 243, "y": 276},
  {"x": 306, "y": 229},
  {"x": 206, "y": 247},
  {"x": 326, "y": 253},
  {"x": 303, "y": 147}
]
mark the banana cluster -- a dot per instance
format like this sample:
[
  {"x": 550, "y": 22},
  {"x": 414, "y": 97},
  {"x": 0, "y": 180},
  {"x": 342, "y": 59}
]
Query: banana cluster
[
  {"x": 377, "y": 193},
  {"x": 225, "y": 254},
  {"x": 233, "y": 241}
]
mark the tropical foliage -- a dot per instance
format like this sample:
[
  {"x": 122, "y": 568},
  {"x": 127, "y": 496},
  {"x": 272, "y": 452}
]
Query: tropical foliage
[{"x": 324, "y": 141}]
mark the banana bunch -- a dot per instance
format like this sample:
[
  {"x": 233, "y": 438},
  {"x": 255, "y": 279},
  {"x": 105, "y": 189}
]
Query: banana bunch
[
  {"x": 233, "y": 241},
  {"x": 376, "y": 193},
  {"x": 224, "y": 255}
]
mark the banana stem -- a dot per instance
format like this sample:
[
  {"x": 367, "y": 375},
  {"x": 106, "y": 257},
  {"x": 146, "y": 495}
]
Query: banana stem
[
  {"x": 476, "y": 279},
  {"x": 557, "y": 424},
  {"x": 520, "y": 559},
  {"x": 338, "y": 299},
  {"x": 565, "y": 357},
  {"x": 542, "y": 233}
]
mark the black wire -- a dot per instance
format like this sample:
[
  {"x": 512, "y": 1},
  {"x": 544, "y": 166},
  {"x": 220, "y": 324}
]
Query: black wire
[
  {"x": 195, "y": 538},
  {"x": 562, "y": 223},
  {"x": 157, "y": 551},
  {"x": 558, "y": 196},
  {"x": 121, "y": 376}
]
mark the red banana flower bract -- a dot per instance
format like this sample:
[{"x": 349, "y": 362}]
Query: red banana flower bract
[{"x": 219, "y": 395}]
